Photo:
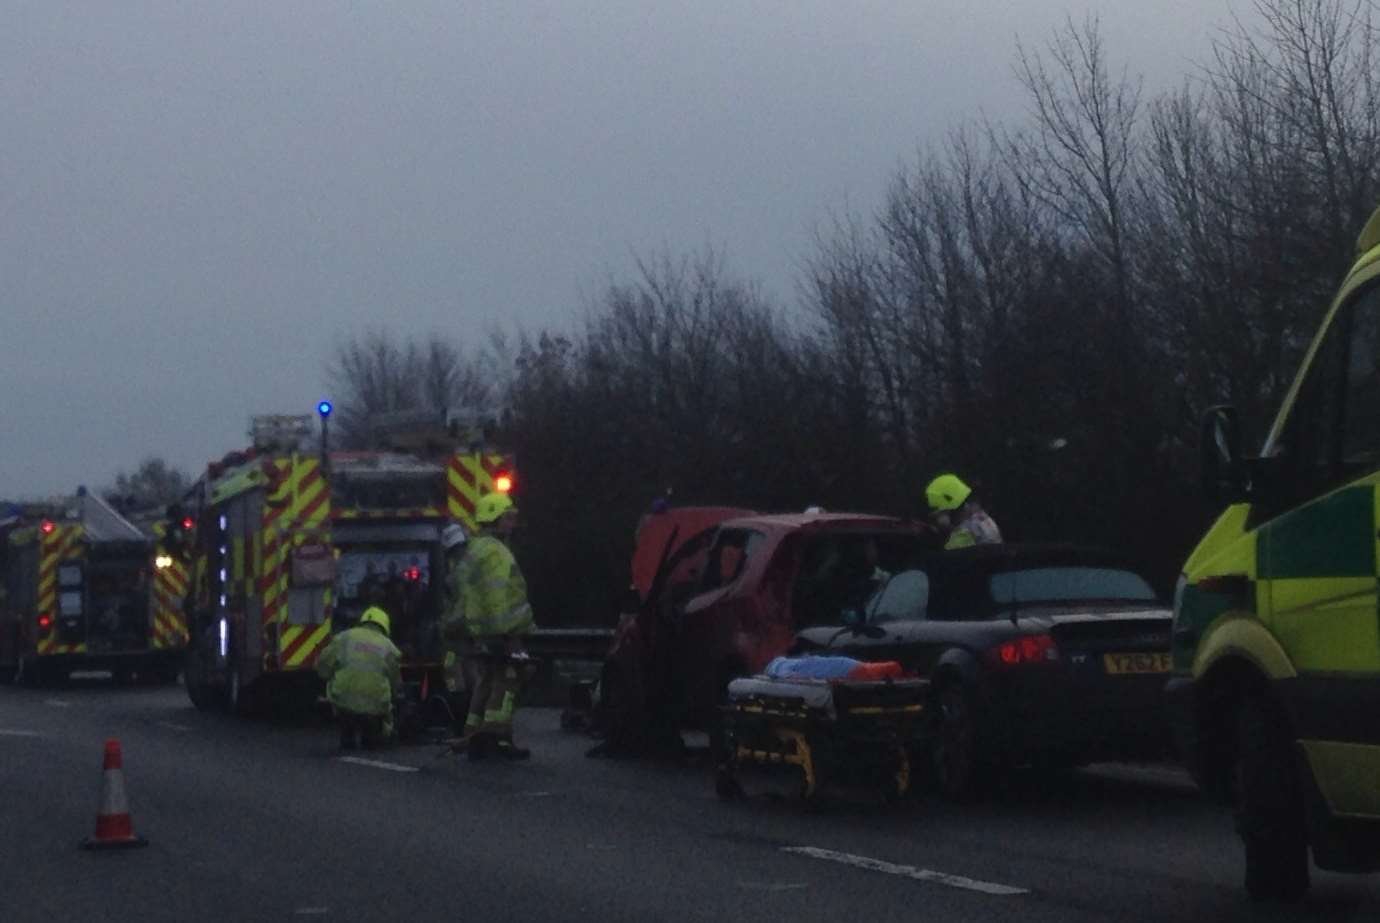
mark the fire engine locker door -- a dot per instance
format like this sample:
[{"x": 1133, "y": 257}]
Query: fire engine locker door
[{"x": 71, "y": 616}]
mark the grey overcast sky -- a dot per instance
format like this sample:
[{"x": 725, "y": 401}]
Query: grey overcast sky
[{"x": 199, "y": 199}]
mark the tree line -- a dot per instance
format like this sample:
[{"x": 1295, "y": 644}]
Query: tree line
[{"x": 1045, "y": 308}]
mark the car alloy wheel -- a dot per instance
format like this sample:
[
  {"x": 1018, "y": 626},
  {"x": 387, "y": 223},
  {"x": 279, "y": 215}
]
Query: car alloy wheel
[{"x": 954, "y": 754}]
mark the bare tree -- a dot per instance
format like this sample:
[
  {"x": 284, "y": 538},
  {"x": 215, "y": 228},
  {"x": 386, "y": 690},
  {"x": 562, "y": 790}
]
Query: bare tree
[
  {"x": 154, "y": 484},
  {"x": 377, "y": 373},
  {"x": 1079, "y": 156}
]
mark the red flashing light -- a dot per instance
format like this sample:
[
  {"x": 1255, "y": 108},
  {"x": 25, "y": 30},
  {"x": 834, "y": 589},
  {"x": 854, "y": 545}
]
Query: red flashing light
[
  {"x": 45, "y": 621},
  {"x": 47, "y": 527},
  {"x": 413, "y": 573},
  {"x": 503, "y": 483},
  {"x": 188, "y": 523},
  {"x": 1030, "y": 649}
]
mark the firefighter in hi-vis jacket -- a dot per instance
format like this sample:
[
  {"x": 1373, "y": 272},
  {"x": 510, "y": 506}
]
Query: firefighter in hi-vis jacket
[{"x": 491, "y": 604}]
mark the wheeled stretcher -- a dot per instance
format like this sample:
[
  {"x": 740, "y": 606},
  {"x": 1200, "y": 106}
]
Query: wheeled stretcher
[{"x": 823, "y": 731}]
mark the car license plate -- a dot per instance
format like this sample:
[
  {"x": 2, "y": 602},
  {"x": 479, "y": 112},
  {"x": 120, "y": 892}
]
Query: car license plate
[{"x": 1137, "y": 663}]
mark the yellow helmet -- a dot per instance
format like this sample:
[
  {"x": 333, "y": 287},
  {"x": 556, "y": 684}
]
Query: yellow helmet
[
  {"x": 491, "y": 507},
  {"x": 947, "y": 492},
  {"x": 376, "y": 616}
]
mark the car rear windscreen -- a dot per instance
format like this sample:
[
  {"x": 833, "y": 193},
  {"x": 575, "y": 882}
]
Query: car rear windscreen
[{"x": 1070, "y": 584}]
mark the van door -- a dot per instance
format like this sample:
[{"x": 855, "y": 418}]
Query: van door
[{"x": 1317, "y": 550}]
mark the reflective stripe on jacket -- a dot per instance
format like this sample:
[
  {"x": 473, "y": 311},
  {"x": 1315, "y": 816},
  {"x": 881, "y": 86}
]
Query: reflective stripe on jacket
[
  {"x": 362, "y": 670},
  {"x": 493, "y": 593},
  {"x": 976, "y": 528}
]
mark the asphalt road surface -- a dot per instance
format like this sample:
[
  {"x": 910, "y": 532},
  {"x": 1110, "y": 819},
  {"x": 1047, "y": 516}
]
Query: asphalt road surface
[{"x": 263, "y": 820}]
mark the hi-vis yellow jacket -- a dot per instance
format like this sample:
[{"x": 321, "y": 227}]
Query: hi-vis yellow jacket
[
  {"x": 362, "y": 670},
  {"x": 491, "y": 599}
]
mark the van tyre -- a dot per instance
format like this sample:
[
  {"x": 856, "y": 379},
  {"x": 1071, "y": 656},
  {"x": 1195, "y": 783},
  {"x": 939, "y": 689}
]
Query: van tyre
[
  {"x": 1270, "y": 813},
  {"x": 614, "y": 713},
  {"x": 236, "y": 696},
  {"x": 202, "y": 696},
  {"x": 28, "y": 672}
]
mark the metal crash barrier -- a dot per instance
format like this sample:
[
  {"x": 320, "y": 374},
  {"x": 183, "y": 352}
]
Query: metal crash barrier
[{"x": 565, "y": 657}]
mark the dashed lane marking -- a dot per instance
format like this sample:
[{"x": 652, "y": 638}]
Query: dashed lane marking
[
  {"x": 905, "y": 871},
  {"x": 57, "y": 703},
  {"x": 376, "y": 764},
  {"x": 773, "y": 887},
  {"x": 311, "y": 911},
  {"x": 173, "y": 727},
  {"x": 15, "y": 732}
]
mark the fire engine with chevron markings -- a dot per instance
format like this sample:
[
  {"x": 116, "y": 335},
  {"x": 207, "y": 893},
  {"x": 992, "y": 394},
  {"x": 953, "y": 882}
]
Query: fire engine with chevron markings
[
  {"x": 84, "y": 588},
  {"x": 288, "y": 536}
]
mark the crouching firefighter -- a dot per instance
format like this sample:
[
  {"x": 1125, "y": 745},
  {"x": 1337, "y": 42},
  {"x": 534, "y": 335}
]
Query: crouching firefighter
[
  {"x": 491, "y": 604},
  {"x": 363, "y": 673}
]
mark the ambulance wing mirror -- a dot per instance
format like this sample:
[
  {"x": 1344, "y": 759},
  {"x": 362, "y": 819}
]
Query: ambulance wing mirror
[{"x": 1224, "y": 471}]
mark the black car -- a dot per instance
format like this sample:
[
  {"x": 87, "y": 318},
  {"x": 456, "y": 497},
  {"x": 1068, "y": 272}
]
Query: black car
[{"x": 1037, "y": 654}]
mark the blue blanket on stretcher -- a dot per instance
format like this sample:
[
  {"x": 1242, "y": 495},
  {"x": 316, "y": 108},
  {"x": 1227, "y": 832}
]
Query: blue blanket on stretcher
[{"x": 812, "y": 667}]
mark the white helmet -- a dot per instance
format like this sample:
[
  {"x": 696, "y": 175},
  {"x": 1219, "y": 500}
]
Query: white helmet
[{"x": 451, "y": 536}]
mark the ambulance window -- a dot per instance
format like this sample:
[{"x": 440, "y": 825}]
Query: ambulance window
[
  {"x": 1333, "y": 433},
  {"x": 1360, "y": 437}
]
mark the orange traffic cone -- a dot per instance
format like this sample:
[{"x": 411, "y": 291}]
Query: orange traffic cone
[{"x": 114, "y": 827}]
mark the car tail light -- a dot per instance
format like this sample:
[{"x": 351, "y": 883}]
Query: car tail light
[
  {"x": 1027, "y": 650},
  {"x": 45, "y": 621}
]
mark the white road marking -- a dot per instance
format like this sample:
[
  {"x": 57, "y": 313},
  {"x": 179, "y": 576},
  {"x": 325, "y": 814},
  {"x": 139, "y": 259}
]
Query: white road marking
[
  {"x": 772, "y": 886},
  {"x": 311, "y": 911},
  {"x": 57, "y": 703},
  {"x": 14, "y": 732},
  {"x": 174, "y": 727},
  {"x": 1153, "y": 772},
  {"x": 376, "y": 764},
  {"x": 905, "y": 871},
  {"x": 531, "y": 794}
]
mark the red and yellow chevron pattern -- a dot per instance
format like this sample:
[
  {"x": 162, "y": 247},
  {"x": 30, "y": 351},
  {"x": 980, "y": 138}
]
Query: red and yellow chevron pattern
[
  {"x": 469, "y": 477},
  {"x": 169, "y": 621},
  {"x": 296, "y": 510},
  {"x": 63, "y": 543}
]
